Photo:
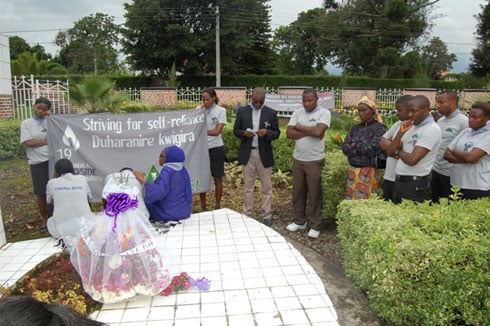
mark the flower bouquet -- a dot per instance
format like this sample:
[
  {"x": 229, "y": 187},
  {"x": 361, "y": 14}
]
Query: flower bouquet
[
  {"x": 117, "y": 256},
  {"x": 183, "y": 282}
]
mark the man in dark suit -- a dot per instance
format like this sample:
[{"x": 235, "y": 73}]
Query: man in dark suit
[{"x": 256, "y": 125}]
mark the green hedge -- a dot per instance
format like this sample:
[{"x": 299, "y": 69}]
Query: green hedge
[
  {"x": 420, "y": 264},
  {"x": 251, "y": 81},
  {"x": 10, "y": 146},
  {"x": 122, "y": 81},
  {"x": 283, "y": 148},
  {"x": 334, "y": 181}
]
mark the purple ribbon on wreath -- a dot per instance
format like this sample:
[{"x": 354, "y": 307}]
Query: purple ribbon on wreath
[{"x": 117, "y": 203}]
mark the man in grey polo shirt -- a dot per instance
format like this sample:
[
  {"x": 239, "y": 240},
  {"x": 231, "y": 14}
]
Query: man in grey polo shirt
[
  {"x": 307, "y": 127},
  {"x": 451, "y": 123},
  {"x": 415, "y": 145}
]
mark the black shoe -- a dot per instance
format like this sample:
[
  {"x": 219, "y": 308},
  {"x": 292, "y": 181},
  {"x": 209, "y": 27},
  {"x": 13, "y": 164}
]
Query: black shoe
[
  {"x": 268, "y": 221},
  {"x": 43, "y": 229}
]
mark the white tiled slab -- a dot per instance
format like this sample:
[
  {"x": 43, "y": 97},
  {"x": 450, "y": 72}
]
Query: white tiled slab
[
  {"x": 24, "y": 256},
  {"x": 257, "y": 278}
]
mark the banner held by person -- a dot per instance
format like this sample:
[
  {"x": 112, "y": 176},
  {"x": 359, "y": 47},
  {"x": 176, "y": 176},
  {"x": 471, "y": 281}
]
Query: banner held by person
[{"x": 99, "y": 144}]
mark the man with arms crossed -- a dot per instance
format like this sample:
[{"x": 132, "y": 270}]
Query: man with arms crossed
[
  {"x": 308, "y": 127},
  {"x": 389, "y": 176},
  {"x": 451, "y": 123},
  {"x": 415, "y": 145}
]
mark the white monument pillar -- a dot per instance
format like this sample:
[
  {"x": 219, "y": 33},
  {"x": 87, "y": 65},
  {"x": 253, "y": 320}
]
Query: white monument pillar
[{"x": 3, "y": 238}]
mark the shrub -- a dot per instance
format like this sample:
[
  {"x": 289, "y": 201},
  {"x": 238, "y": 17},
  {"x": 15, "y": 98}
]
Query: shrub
[
  {"x": 283, "y": 148},
  {"x": 231, "y": 142},
  {"x": 137, "y": 107},
  {"x": 283, "y": 153},
  {"x": 334, "y": 178},
  {"x": 10, "y": 146},
  {"x": 420, "y": 264}
]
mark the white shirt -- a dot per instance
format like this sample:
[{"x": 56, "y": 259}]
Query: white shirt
[
  {"x": 426, "y": 134},
  {"x": 70, "y": 194},
  {"x": 34, "y": 129},
  {"x": 450, "y": 126},
  {"x": 214, "y": 115},
  {"x": 310, "y": 148},
  {"x": 390, "y": 174}
]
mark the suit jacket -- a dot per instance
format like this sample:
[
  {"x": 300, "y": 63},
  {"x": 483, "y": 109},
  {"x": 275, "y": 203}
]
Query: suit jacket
[{"x": 268, "y": 120}]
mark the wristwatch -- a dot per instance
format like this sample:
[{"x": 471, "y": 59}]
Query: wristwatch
[{"x": 397, "y": 152}]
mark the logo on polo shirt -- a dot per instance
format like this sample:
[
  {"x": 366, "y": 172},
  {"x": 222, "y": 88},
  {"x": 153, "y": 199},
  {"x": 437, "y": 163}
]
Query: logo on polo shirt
[{"x": 468, "y": 146}]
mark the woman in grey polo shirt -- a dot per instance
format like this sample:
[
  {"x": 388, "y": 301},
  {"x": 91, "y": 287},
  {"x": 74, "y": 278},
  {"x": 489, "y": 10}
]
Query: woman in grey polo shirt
[{"x": 470, "y": 153}]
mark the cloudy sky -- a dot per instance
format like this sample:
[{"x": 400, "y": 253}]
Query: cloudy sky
[{"x": 39, "y": 21}]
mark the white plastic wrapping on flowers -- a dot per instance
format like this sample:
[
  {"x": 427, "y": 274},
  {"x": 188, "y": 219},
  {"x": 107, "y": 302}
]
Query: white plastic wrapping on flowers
[{"x": 118, "y": 256}]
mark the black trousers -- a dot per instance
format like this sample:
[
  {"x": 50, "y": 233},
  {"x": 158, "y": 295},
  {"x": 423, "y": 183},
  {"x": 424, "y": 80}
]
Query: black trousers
[
  {"x": 418, "y": 190},
  {"x": 440, "y": 186},
  {"x": 388, "y": 189}
]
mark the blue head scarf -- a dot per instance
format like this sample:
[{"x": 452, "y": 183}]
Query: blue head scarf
[
  {"x": 174, "y": 159},
  {"x": 174, "y": 154}
]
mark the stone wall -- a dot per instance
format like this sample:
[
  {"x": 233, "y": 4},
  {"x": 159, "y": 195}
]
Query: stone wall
[
  {"x": 6, "y": 106},
  {"x": 162, "y": 97},
  {"x": 470, "y": 96},
  {"x": 430, "y": 93},
  {"x": 352, "y": 95},
  {"x": 232, "y": 96}
]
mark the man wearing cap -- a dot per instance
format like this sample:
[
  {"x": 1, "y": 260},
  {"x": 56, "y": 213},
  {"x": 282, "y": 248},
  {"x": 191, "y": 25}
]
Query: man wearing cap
[{"x": 415, "y": 145}]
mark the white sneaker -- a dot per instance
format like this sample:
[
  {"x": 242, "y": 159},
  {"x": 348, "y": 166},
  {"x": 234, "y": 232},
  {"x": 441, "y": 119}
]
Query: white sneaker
[
  {"x": 293, "y": 227},
  {"x": 313, "y": 233}
]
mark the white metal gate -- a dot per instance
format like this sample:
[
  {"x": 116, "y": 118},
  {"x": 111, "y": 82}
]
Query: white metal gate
[{"x": 25, "y": 91}]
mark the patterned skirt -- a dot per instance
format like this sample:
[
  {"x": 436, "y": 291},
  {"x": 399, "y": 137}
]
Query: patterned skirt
[{"x": 362, "y": 182}]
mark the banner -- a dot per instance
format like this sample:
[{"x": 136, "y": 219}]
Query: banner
[
  {"x": 288, "y": 103},
  {"x": 103, "y": 143}
]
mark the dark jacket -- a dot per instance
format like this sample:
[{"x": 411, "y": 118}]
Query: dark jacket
[
  {"x": 268, "y": 120},
  {"x": 367, "y": 138}
]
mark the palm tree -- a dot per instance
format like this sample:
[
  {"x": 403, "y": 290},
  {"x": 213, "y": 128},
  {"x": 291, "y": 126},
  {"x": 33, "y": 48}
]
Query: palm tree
[{"x": 96, "y": 94}]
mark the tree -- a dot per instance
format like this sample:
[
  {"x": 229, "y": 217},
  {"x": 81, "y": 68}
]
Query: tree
[
  {"x": 436, "y": 58},
  {"x": 480, "y": 65},
  {"x": 408, "y": 65},
  {"x": 90, "y": 46},
  {"x": 368, "y": 35},
  {"x": 161, "y": 33},
  {"x": 17, "y": 46},
  {"x": 41, "y": 52},
  {"x": 28, "y": 64},
  {"x": 245, "y": 37},
  {"x": 300, "y": 45},
  {"x": 96, "y": 94}
]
